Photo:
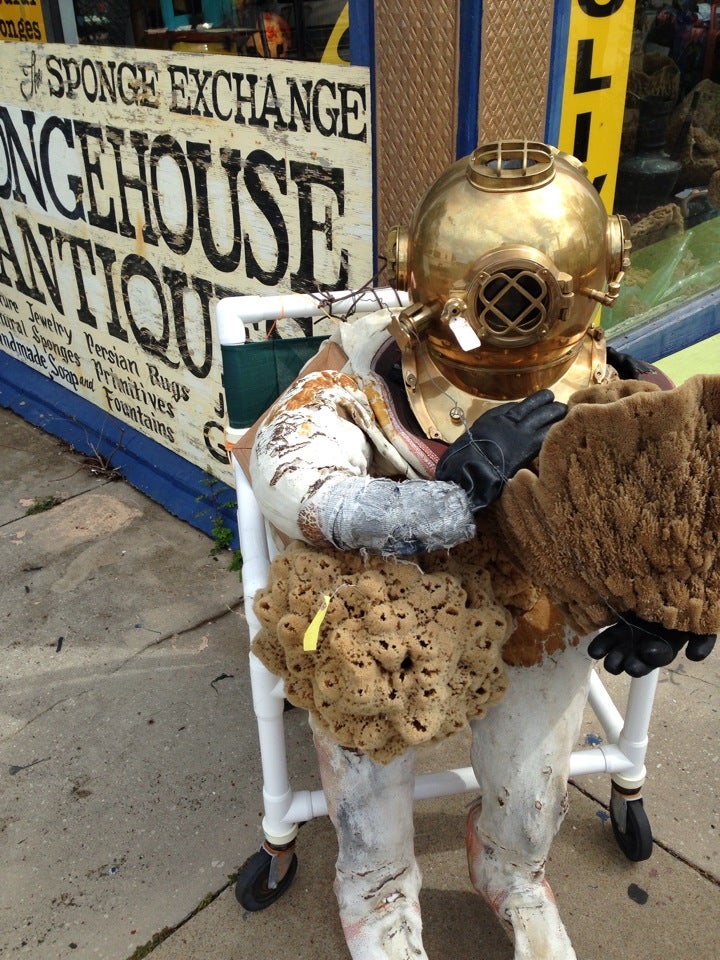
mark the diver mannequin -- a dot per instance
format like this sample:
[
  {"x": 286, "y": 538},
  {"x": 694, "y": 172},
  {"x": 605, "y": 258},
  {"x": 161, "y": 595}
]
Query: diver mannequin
[{"x": 491, "y": 320}]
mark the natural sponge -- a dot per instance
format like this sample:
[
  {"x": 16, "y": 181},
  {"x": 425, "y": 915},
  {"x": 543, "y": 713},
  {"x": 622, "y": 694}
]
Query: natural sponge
[
  {"x": 406, "y": 653},
  {"x": 624, "y": 512}
]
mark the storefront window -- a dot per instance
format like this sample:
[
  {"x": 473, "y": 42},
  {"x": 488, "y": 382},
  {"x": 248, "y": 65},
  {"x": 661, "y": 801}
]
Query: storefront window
[
  {"x": 669, "y": 171},
  {"x": 316, "y": 30}
]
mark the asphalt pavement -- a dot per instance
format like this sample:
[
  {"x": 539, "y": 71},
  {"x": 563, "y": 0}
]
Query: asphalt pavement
[{"x": 130, "y": 787}]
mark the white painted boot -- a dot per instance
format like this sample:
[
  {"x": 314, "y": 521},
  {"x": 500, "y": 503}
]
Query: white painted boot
[
  {"x": 377, "y": 879},
  {"x": 521, "y": 757}
]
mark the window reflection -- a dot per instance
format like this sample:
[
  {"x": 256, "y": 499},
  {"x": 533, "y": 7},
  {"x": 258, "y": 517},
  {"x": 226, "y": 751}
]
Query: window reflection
[
  {"x": 316, "y": 30},
  {"x": 669, "y": 169}
]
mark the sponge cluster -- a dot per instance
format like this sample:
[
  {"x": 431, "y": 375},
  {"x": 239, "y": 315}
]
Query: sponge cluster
[
  {"x": 624, "y": 511},
  {"x": 406, "y": 652}
]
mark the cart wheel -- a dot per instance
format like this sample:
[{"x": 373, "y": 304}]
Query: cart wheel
[
  {"x": 252, "y": 890},
  {"x": 631, "y": 827}
]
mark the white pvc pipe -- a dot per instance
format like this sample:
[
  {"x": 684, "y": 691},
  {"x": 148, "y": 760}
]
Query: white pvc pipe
[
  {"x": 233, "y": 314},
  {"x": 604, "y": 708},
  {"x": 253, "y": 546},
  {"x": 633, "y": 741},
  {"x": 279, "y": 828},
  {"x": 639, "y": 707},
  {"x": 604, "y": 759},
  {"x": 307, "y": 804},
  {"x": 445, "y": 783}
]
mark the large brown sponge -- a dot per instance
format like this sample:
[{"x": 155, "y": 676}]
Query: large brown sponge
[
  {"x": 624, "y": 512},
  {"x": 407, "y": 651}
]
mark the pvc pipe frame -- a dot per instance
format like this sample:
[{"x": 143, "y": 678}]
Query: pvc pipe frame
[
  {"x": 285, "y": 808},
  {"x": 624, "y": 754}
]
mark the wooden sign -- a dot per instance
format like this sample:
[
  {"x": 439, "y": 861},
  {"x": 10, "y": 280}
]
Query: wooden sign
[{"x": 138, "y": 187}]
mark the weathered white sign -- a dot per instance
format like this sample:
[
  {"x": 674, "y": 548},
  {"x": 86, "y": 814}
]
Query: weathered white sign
[{"x": 137, "y": 187}]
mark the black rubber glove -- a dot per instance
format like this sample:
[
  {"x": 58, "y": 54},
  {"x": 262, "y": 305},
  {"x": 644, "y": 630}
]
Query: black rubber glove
[
  {"x": 637, "y": 647},
  {"x": 628, "y": 368},
  {"x": 497, "y": 445}
]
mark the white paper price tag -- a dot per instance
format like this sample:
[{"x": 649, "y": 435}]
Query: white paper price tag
[{"x": 464, "y": 334}]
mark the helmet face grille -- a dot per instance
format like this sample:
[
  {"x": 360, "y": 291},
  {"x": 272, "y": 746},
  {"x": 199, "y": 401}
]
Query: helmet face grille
[{"x": 512, "y": 305}]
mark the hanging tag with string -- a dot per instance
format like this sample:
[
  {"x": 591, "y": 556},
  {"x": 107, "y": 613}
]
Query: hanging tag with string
[{"x": 310, "y": 637}]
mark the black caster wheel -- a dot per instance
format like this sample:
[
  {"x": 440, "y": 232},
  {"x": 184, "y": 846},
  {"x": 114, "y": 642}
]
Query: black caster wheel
[
  {"x": 252, "y": 888},
  {"x": 631, "y": 827}
]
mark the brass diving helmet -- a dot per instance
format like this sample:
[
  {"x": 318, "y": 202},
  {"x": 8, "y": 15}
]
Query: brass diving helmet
[{"x": 506, "y": 260}]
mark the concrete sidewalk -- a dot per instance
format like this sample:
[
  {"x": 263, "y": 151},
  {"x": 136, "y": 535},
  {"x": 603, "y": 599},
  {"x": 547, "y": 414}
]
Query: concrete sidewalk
[{"x": 129, "y": 768}]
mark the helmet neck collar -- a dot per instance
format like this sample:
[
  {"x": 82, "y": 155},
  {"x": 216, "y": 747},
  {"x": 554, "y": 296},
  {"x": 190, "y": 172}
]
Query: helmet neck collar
[{"x": 444, "y": 410}]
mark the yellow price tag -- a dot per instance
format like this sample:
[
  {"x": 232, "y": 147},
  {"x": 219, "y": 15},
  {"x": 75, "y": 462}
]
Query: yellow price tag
[{"x": 310, "y": 637}]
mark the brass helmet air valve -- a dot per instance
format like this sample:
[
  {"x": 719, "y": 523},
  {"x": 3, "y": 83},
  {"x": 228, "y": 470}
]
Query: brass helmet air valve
[
  {"x": 407, "y": 326},
  {"x": 618, "y": 260}
]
